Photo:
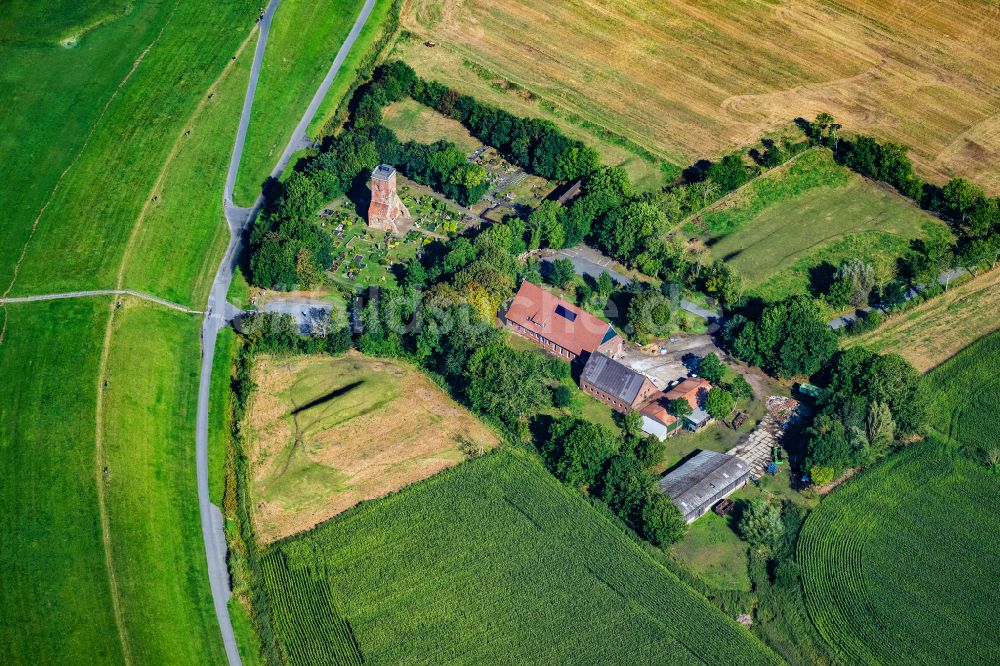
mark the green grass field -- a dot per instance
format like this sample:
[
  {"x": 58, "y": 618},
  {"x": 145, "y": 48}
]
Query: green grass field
[
  {"x": 182, "y": 234},
  {"x": 109, "y": 565},
  {"x": 965, "y": 394},
  {"x": 304, "y": 39},
  {"x": 507, "y": 566},
  {"x": 712, "y": 548},
  {"x": 812, "y": 211},
  {"x": 82, "y": 235},
  {"x": 899, "y": 565},
  {"x": 57, "y": 608},
  {"x": 148, "y": 442},
  {"x": 412, "y": 121}
]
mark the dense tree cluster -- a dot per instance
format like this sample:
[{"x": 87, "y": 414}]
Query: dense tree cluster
[
  {"x": 786, "y": 338},
  {"x": 871, "y": 400},
  {"x": 585, "y": 454}
]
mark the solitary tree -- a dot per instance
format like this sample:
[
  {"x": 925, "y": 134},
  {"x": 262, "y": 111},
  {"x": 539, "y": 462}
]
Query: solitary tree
[
  {"x": 679, "y": 407},
  {"x": 711, "y": 368},
  {"x": 858, "y": 279},
  {"x": 719, "y": 403}
]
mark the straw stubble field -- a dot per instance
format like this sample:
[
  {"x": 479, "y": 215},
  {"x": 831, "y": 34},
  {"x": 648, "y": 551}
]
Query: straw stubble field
[{"x": 688, "y": 80}]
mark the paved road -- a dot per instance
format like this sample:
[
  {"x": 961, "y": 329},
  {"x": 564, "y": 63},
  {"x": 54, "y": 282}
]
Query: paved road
[
  {"x": 219, "y": 312},
  {"x": 305, "y": 311},
  {"x": 102, "y": 292},
  {"x": 212, "y": 529},
  {"x": 698, "y": 311},
  {"x": 588, "y": 261}
]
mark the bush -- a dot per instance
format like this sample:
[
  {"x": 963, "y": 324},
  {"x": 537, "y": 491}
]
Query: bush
[
  {"x": 562, "y": 396},
  {"x": 711, "y": 368},
  {"x": 760, "y": 524}
]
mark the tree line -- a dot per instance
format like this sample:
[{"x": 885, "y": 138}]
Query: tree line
[{"x": 974, "y": 218}]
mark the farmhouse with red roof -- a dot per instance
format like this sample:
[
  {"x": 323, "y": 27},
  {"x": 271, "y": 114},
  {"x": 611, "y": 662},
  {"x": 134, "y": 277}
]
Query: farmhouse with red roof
[{"x": 559, "y": 326}]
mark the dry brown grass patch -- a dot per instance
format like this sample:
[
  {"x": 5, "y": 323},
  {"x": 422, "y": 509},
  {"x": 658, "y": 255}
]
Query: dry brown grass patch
[
  {"x": 364, "y": 428},
  {"x": 935, "y": 331}
]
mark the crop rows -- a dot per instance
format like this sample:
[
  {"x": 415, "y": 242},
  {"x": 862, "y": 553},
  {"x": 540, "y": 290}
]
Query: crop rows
[
  {"x": 309, "y": 627},
  {"x": 899, "y": 566},
  {"x": 494, "y": 561},
  {"x": 966, "y": 392}
]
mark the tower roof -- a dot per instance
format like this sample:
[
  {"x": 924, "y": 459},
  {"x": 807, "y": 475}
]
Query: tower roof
[{"x": 383, "y": 172}]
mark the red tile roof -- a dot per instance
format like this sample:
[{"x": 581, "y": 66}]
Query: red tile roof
[
  {"x": 557, "y": 320},
  {"x": 691, "y": 390},
  {"x": 656, "y": 409}
]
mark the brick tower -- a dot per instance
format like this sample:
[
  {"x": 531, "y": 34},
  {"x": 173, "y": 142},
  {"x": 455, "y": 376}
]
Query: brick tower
[{"x": 386, "y": 207}]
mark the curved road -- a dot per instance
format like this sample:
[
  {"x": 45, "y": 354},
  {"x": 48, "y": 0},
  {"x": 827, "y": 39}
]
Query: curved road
[{"x": 219, "y": 311}]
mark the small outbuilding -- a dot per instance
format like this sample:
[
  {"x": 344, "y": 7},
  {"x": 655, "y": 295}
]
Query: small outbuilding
[{"x": 704, "y": 480}]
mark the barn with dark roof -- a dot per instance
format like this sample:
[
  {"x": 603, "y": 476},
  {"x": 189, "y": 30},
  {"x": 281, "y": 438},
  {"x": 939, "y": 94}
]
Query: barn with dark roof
[
  {"x": 615, "y": 384},
  {"x": 703, "y": 480}
]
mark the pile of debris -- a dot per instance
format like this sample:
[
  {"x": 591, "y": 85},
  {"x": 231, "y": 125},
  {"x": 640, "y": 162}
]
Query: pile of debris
[
  {"x": 758, "y": 447},
  {"x": 785, "y": 411}
]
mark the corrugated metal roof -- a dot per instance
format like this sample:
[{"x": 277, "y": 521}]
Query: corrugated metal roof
[
  {"x": 698, "y": 483},
  {"x": 612, "y": 377}
]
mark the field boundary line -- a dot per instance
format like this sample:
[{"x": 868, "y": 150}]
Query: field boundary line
[
  {"x": 102, "y": 506},
  {"x": 729, "y": 195},
  {"x": 76, "y": 158}
]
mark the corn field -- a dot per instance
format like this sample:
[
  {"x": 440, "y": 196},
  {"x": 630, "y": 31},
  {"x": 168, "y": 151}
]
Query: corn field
[
  {"x": 900, "y": 565},
  {"x": 492, "y": 561}
]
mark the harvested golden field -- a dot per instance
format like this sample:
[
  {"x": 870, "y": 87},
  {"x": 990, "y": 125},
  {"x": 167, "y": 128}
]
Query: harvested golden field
[
  {"x": 328, "y": 433},
  {"x": 691, "y": 79},
  {"x": 933, "y": 332}
]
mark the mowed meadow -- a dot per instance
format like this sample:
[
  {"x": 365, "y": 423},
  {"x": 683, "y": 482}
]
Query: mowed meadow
[
  {"x": 490, "y": 561},
  {"x": 938, "y": 329},
  {"x": 687, "y": 80},
  {"x": 116, "y": 144},
  {"x": 899, "y": 565},
  {"x": 328, "y": 433},
  {"x": 790, "y": 228}
]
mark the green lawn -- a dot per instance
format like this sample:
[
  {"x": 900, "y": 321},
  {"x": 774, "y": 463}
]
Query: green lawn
[
  {"x": 965, "y": 395},
  {"x": 899, "y": 565},
  {"x": 788, "y": 222},
  {"x": 412, "y": 121},
  {"x": 83, "y": 232},
  {"x": 712, "y": 548},
  {"x": 508, "y": 566},
  {"x": 304, "y": 39},
  {"x": 55, "y": 599},
  {"x": 149, "y": 430},
  {"x": 53, "y": 96}
]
